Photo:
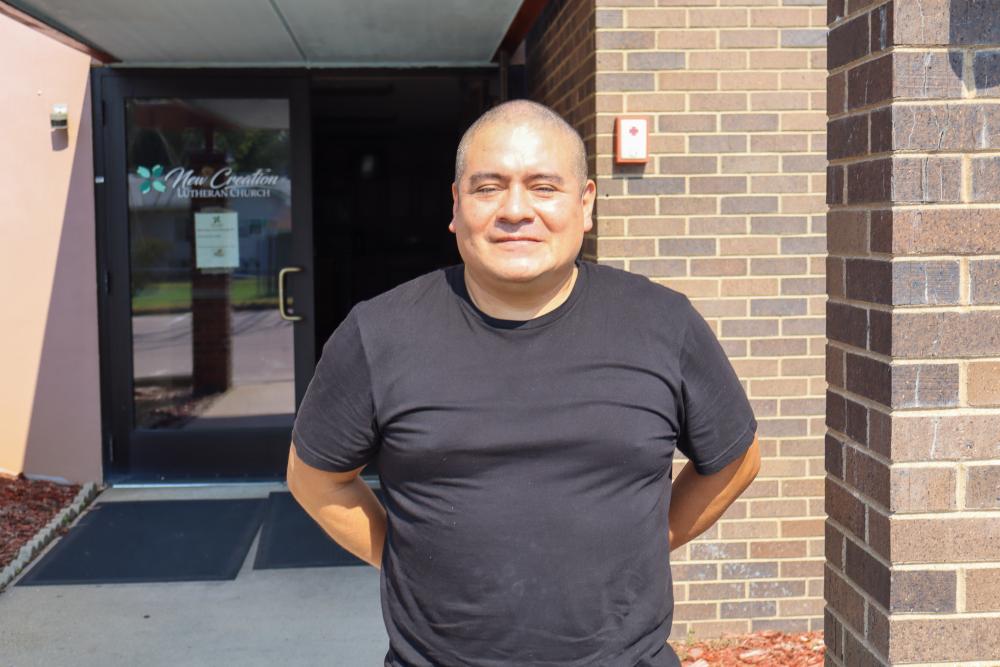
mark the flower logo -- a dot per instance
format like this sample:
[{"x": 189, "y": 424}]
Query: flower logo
[{"x": 152, "y": 179}]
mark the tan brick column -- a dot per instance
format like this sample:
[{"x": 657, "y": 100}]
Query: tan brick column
[
  {"x": 913, "y": 321},
  {"x": 730, "y": 210}
]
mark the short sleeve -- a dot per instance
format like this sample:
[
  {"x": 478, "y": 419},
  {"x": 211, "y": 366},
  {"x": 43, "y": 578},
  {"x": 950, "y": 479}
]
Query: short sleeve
[
  {"x": 335, "y": 427},
  {"x": 717, "y": 422}
]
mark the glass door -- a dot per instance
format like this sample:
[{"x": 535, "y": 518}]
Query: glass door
[{"x": 210, "y": 254}]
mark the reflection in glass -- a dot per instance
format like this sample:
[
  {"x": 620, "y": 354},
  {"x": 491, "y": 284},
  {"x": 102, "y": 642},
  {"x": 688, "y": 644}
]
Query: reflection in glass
[{"x": 209, "y": 227}]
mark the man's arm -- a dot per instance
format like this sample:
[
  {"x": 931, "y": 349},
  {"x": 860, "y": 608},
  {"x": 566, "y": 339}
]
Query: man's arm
[
  {"x": 697, "y": 501},
  {"x": 342, "y": 504}
]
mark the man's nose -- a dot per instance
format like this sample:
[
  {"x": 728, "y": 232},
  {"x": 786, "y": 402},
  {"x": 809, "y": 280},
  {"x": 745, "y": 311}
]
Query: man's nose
[{"x": 516, "y": 206}]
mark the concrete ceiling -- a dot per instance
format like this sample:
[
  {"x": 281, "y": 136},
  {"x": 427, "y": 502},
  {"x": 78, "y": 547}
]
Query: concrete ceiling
[{"x": 330, "y": 33}]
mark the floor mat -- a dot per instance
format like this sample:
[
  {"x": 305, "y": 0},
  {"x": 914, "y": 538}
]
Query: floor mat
[
  {"x": 291, "y": 538},
  {"x": 152, "y": 540}
]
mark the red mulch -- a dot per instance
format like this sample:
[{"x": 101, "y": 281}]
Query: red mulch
[
  {"x": 769, "y": 647},
  {"x": 26, "y": 505}
]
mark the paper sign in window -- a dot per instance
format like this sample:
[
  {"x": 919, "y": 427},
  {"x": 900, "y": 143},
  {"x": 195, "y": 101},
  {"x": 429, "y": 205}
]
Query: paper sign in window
[{"x": 217, "y": 240}]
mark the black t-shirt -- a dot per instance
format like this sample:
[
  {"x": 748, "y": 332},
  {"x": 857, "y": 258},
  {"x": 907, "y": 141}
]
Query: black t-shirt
[{"x": 525, "y": 466}]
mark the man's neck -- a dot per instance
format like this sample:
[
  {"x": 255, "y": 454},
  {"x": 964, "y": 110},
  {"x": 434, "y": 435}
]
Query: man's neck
[{"x": 520, "y": 303}]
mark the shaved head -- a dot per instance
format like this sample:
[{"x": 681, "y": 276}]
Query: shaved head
[{"x": 518, "y": 112}]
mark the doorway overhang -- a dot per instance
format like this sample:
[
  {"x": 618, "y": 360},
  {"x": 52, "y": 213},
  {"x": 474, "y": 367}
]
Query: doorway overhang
[{"x": 286, "y": 33}]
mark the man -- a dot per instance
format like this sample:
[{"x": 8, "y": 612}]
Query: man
[{"x": 522, "y": 409}]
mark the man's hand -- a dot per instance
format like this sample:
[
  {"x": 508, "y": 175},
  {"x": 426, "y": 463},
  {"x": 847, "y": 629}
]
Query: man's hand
[
  {"x": 697, "y": 501},
  {"x": 342, "y": 504}
]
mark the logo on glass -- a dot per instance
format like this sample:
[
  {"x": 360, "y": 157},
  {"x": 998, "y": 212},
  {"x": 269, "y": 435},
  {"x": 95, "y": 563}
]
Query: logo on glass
[{"x": 152, "y": 179}]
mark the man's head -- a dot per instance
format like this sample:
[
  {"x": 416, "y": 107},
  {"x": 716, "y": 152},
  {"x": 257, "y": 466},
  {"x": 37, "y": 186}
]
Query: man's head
[{"x": 521, "y": 173}]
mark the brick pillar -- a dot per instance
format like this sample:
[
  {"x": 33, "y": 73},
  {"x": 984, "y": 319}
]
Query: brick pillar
[{"x": 913, "y": 406}]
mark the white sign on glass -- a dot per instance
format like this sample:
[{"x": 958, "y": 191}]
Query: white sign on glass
[{"x": 217, "y": 240}]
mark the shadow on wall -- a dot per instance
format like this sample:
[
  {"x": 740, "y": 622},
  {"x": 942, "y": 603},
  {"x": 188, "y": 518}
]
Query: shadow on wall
[
  {"x": 64, "y": 427},
  {"x": 974, "y": 22}
]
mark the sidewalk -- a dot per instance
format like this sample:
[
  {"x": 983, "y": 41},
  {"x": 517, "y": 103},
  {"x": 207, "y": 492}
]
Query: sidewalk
[{"x": 308, "y": 616}]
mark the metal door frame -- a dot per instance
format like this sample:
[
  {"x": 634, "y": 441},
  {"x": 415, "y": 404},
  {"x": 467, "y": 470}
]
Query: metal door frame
[{"x": 166, "y": 456}]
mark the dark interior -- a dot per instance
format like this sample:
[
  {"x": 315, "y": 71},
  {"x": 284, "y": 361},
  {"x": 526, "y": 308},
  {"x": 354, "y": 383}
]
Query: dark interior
[{"x": 383, "y": 164}]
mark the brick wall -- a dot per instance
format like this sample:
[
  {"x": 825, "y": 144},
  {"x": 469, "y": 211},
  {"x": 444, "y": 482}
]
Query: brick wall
[
  {"x": 730, "y": 211},
  {"x": 913, "y": 491}
]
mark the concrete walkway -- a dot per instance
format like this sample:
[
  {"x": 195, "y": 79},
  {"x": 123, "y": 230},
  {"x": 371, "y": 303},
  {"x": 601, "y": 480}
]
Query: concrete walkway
[{"x": 310, "y": 616}]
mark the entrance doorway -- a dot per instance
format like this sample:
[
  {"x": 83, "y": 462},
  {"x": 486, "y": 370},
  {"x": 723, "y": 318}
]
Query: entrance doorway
[
  {"x": 244, "y": 214},
  {"x": 383, "y": 163}
]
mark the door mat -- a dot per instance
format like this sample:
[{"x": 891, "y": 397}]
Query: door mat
[
  {"x": 152, "y": 540},
  {"x": 291, "y": 538}
]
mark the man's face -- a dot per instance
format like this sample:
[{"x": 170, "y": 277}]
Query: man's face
[{"x": 519, "y": 211}]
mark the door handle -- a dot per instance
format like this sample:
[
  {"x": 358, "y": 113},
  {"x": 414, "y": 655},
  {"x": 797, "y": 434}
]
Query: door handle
[{"x": 281, "y": 293}]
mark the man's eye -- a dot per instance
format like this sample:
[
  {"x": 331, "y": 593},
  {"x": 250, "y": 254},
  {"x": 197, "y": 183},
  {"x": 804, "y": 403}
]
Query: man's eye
[
  {"x": 545, "y": 188},
  {"x": 487, "y": 188}
]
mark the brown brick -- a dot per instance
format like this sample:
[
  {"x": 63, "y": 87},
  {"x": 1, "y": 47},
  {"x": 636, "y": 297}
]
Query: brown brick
[
  {"x": 946, "y": 127},
  {"x": 845, "y": 508},
  {"x": 986, "y": 73},
  {"x": 748, "y": 38},
  {"x": 848, "y": 42},
  {"x": 687, "y": 123},
  {"x": 691, "y": 611},
  {"x": 717, "y": 226},
  {"x": 748, "y": 81},
  {"x": 656, "y": 102},
  {"x": 717, "y": 102},
  {"x": 986, "y": 179},
  {"x": 760, "y": 266},
  {"x": 927, "y": 179},
  {"x": 626, "y": 247},
  {"x": 749, "y": 122},
  {"x": 655, "y": 227},
  {"x": 681, "y": 205},
  {"x": 626, "y": 39},
  {"x": 718, "y": 185},
  {"x": 719, "y": 267},
  {"x": 748, "y": 609},
  {"x": 868, "y": 572},
  {"x": 717, "y": 18},
  {"x": 927, "y": 75},
  {"x": 716, "y": 60},
  {"x": 686, "y": 246},
  {"x": 721, "y": 143},
  {"x": 982, "y": 487},
  {"x": 881, "y": 28},
  {"x": 658, "y": 267},
  {"x": 870, "y": 82},
  {"x": 927, "y": 591},
  {"x": 750, "y": 287},
  {"x": 942, "y": 438},
  {"x": 847, "y": 232},
  {"x": 730, "y": 205},
  {"x": 836, "y": 93},
  {"x": 777, "y": 17},
  {"x": 778, "y": 549},
  {"x": 964, "y": 231},
  {"x": 614, "y": 81},
  {"x": 869, "y": 280},
  {"x": 655, "y": 186},
  {"x": 925, "y": 283},
  {"x": 608, "y": 18},
  {"x": 779, "y": 101},
  {"x": 922, "y": 489},
  {"x": 628, "y": 206},
  {"x": 782, "y": 59},
  {"x": 655, "y": 18},
  {"x": 848, "y": 137},
  {"x": 842, "y": 597},
  {"x": 984, "y": 383},
  {"x": 982, "y": 589},
  {"x": 748, "y": 246},
  {"x": 750, "y": 164},
  {"x": 945, "y": 540},
  {"x": 694, "y": 571},
  {"x": 919, "y": 640},
  {"x": 696, "y": 164},
  {"x": 719, "y": 591},
  {"x": 779, "y": 143},
  {"x": 946, "y": 334},
  {"x": 779, "y": 184}
]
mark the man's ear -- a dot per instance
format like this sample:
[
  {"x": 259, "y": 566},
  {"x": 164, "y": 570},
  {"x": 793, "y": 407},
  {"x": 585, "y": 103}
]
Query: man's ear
[
  {"x": 589, "y": 194},
  {"x": 454, "y": 207}
]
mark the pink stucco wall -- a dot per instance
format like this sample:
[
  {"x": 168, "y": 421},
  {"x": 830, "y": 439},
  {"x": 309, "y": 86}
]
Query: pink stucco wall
[{"x": 49, "y": 384}]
